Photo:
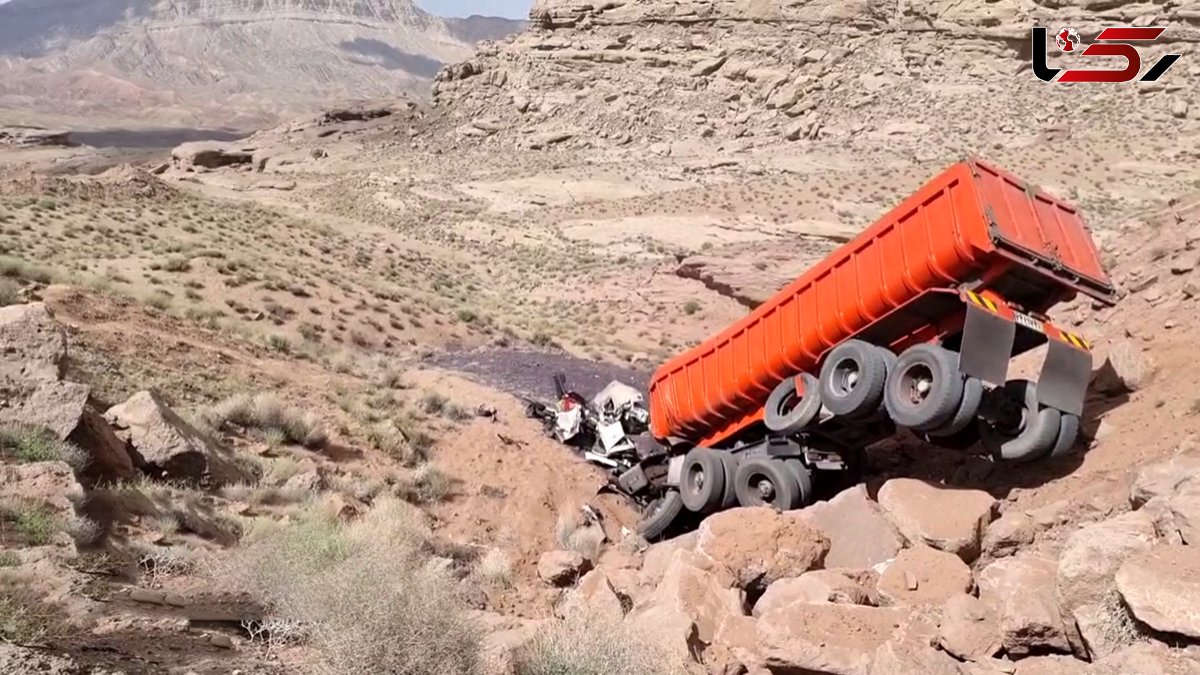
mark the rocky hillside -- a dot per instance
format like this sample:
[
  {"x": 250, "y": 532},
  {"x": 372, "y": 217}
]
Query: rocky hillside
[
  {"x": 927, "y": 74},
  {"x": 221, "y": 62}
]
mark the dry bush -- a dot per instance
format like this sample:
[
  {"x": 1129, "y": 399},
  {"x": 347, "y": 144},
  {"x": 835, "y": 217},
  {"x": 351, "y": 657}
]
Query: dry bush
[
  {"x": 10, "y": 292},
  {"x": 364, "y": 596},
  {"x": 426, "y": 485},
  {"x": 574, "y": 533},
  {"x": 494, "y": 568},
  {"x": 595, "y": 643},
  {"x": 30, "y": 444},
  {"x": 267, "y": 413}
]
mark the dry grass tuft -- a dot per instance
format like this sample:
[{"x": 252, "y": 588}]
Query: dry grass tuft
[
  {"x": 364, "y": 596},
  {"x": 495, "y": 569},
  {"x": 267, "y": 413},
  {"x": 595, "y": 644},
  {"x": 29, "y": 444},
  {"x": 574, "y": 533}
]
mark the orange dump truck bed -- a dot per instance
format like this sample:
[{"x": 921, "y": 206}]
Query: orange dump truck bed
[{"x": 973, "y": 224}]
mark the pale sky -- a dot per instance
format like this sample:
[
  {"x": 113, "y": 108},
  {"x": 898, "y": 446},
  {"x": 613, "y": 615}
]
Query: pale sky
[{"x": 512, "y": 9}]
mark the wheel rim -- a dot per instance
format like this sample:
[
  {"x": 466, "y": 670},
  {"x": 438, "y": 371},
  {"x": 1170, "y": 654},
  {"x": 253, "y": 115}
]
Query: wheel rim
[
  {"x": 697, "y": 478},
  {"x": 787, "y": 404},
  {"x": 766, "y": 489},
  {"x": 845, "y": 377},
  {"x": 916, "y": 383}
]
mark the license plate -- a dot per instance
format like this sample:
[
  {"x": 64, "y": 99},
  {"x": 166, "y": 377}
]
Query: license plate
[{"x": 1029, "y": 322}]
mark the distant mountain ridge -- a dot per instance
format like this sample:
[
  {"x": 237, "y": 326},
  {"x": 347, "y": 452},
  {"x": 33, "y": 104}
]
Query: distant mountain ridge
[{"x": 223, "y": 62}]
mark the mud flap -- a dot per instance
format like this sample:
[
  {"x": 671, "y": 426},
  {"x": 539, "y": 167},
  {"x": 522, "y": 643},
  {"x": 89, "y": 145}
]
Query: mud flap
[
  {"x": 987, "y": 345},
  {"x": 1065, "y": 376}
]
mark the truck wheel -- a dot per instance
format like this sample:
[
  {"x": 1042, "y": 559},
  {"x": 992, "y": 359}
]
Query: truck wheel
[
  {"x": 659, "y": 514},
  {"x": 762, "y": 481},
  {"x": 730, "y": 460},
  {"x": 803, "y": 476},
  {"x": 1068, "y": 433},
  {"x": 783, "y": 414},
  {"x": 1033, "y": 437},
  {"x": 967, "y": 409},
  {"x": 964, "y": 439},
  {"x": 702, "y": 480},
  {"x": 925, "y": 389},
  {"x": 852, "y": 379}
]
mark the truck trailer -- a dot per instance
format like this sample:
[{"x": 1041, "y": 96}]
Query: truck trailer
[{"x": 911, "y": 324}]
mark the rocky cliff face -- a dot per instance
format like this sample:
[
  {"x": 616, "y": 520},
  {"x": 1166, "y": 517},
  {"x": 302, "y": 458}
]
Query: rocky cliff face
[
  {"x": 763, "y": 71},
  {"x": 216, "y": 61}
]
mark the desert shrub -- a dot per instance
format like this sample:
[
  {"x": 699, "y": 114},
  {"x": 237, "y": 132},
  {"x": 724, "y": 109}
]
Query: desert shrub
[
  {"x": 177, "y": 264},
  {"x": 14, "y": 268},
  {"x": 691, "y": 307},
  {"x": 427, "y": 485},
  {"x": 573, "y": 533},
  {"x": 29, "y": 444},
  {"x": 268, "y": 414},
  {"x": 34, "y": 523},
  {"x": 10, "y": 292},
  {"x": 434, "y": 403},
  {"x": 594, "y": 643},
  {"x": 365, "y": 596},
  {"x": 22, "y": 618},
  {"x": 494, "y": 568}
]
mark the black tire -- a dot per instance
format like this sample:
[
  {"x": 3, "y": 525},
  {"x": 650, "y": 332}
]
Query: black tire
[
  {"x": 852, "y": 379},
  {"x": 702, "y": 480},
  {"x": 933, "y": 368},
  {"x": 1068, "y": 433},
  {"x": 659, "y": 515},
  {"x": 731, "y": 462},
  {"x": 1034, "y": 437},
  {"x": 804, "y": 480},
  {"x": 967, "y": 409},
  {"x": 762, "y": 481},
  {"x": 783, "y": 415}
]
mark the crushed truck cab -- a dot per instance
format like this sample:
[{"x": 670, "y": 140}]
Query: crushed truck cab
[{"x": 912, "y": 324}]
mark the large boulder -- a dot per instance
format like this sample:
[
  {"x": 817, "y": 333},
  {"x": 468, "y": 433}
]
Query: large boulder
[
  {"x": 561, "y": 568},
  {"x": 923, "y": 576},
  {"x": 826, "y": 638},
  {"x": 211, "y": 155},
  {"x": 658, "y": 557},
  {"x": 969, "y": 628},
  {"x": 911, "y": 650},
  {"x": 1127, "y": 368},
  {"x": 504, "y": 638},
  {"x": 1148, "y": 658},
  {"x": 1089, "y": 562},
  {"x": 33, "y": 352},
  {"x": 944, "y": 518},
  {"x": 690, "y": 606},
  {"x": 756, "y": 546},
  {"x": 853, "y": 587},
  {"x": 1008, "y": 534},
  {"x": 860, "y": 535},
  {"x": 1161, "y": 587},
  {"x": 1021, "y": 590},
  {"x": 1052, "y": 664},
  {"x": 33, "y": 346},
  {"x": 1166, "y": 478},
  {"x": 594, "y": 596},
  {"x": 163, "y": 445}
]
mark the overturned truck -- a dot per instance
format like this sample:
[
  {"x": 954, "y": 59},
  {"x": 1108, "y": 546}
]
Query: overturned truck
[{"x": 912, "y": 324}]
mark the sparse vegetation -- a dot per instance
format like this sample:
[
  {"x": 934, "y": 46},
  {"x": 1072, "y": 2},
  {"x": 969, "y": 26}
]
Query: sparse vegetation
[
  {"x": 33, "y": 523},
  {"x": 427, "y": 485},
  {"x": 594, "y": 643},
  {"x": 29, "y": 444},
  {"x": 320, "y": 580},
  {"x": 266, "y": 412},
  {"x": 573, "y": 533},
  {"x": 494, "y": 568}
]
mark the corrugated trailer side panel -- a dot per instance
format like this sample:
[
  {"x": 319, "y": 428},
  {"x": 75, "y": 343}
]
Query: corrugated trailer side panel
[{"x": 935, "y": 238}]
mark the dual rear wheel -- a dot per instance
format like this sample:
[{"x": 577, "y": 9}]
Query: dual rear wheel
[{"x": 711, "y": 480}]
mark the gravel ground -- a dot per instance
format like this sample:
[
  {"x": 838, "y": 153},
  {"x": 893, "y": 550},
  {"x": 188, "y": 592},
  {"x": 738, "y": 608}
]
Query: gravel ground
[{"x": 531, "y": 373}]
